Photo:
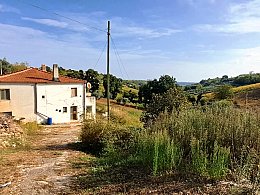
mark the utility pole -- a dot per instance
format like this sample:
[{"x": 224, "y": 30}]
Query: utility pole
[{"x": 108, "y": 93}]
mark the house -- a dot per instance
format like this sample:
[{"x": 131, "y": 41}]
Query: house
[{"x": 37, "y": 95}]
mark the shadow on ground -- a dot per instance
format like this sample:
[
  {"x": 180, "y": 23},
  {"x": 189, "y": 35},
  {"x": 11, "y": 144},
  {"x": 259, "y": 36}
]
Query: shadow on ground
[{"x": 96, "y": 177}]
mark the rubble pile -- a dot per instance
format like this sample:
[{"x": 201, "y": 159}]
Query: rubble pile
[{"x": 8, "y": 131}]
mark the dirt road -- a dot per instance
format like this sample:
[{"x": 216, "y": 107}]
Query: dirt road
[{"x": 45, "y": 167}]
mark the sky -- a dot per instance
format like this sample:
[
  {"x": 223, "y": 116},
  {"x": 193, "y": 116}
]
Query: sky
[{"x": 190, "y": 40}]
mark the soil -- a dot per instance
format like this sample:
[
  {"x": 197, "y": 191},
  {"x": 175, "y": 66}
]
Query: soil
[{"x": 43, "y": 168}]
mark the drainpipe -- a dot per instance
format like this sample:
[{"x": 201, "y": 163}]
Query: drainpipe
[
  {"x": 35, "y": 102},
  {"x": 84, "y": 100}
]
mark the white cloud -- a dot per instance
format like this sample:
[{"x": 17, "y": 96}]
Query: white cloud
[
  {"x": 48, "y": 22},
  {"x": 241, "y": 18},
  {"x": 36, "y": 47},
  {"x": 5, "y": 8},
  {"x": 142, "y": 32}
]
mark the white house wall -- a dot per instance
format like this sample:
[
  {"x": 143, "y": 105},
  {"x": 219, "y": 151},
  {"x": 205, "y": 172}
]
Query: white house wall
[
  {"x": 21, "y": 102},
  {"x": 51, "y": 98},
  {"x": 91, "y": 101}
]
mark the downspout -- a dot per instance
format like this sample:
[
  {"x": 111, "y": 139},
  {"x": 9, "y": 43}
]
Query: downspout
[
  {"x": 84, "y": 100},
  {"x": 36, "y": 102}
]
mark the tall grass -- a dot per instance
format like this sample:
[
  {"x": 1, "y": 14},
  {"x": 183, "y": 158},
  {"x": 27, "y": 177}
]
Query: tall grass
[{"x": 209, "y": 141}]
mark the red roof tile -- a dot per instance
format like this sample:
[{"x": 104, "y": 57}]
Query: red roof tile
[{"x": 34, "y": 75}]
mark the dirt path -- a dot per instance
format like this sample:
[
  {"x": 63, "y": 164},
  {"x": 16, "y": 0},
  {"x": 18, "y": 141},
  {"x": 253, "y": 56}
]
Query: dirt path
[{"x": 45, "y": 169}]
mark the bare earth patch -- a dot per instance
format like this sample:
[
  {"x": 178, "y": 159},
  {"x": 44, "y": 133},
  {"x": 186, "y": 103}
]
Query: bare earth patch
[{"x": 44, "y": 167}]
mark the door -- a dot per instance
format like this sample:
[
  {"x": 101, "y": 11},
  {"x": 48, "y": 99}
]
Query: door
[{"x": 73, "y": 113}]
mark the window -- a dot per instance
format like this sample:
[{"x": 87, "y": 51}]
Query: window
[
  {"x": 73, "y": 92},
  {"x": 4, "y": 94},
  {"x": 64, "y": 109}
]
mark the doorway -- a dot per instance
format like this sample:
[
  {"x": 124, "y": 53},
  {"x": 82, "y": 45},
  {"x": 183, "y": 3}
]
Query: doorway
[{"x": 73, "y": 113}]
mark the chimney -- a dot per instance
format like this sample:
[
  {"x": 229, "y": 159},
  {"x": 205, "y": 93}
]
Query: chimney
[
  {"x": 55, "y": 73},
  {"x": 43, "y": 67}
]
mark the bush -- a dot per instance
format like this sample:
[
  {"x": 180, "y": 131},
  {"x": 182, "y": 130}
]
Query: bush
[
  {"x": 174, "y": 100},
  {"x": 93, "y": 135},
  {"x": 100, "y": 137},
  {"x": 224, "y": 92}
]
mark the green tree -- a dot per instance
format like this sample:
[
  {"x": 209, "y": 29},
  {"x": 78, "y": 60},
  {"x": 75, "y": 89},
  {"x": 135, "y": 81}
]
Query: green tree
[
  {"x": 155, "y": 86},
  {"x": 93, "y": 77},
  {"x": 6, "y": 66},
  {"x": 172, "y": 100},
  {"x": 224, "y": 92},
  {"x": 115, "y": 85}
]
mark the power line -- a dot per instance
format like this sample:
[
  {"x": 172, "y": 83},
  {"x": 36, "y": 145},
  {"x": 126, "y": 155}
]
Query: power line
[
  {"x": 100, "y": 55},
  {"x": 117, "y": 59},
  {"x": 60, "y": 15},
  {"x": 120, "y": 60}
]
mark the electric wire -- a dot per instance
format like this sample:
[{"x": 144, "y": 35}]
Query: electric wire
[
  {"x": 100, "y": 55},
  {"x": 120, "y": 60},
  {"x": 60, "y": 15},
  {"x": 117, "y": 59}
]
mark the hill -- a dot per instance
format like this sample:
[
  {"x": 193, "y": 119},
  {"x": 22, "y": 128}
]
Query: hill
[{"x": 247, "y": 96}]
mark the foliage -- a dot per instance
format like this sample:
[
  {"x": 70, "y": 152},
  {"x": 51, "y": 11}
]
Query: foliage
[
  {"x": 130, "y": 93},
  {"x": 247, "y": 79},
  {"x": 135, "y": 84},
  {"x": 173, "y": 100},
  {"x": 115, "y": 85},
  {"x": 93, "y": 77},
  {"x": 209, "y": 141},
  {"x": 155, "y": 87},
  {"x": 8, "y": 68},
  {"x": 93, "y": 135},
  {"x": 31, "y": 128},
  {"x": 224, "y": 92}
]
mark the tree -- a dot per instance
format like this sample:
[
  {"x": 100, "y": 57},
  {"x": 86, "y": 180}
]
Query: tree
[
  {"x": 173, "y": 100},
  {"x": 155, "y": 86},
  {"x": 115, "y": 85},
  {"x": 224, "y": 92},
  {"x": 93, "y": 77},
  {"x": 6, "y": 66}
]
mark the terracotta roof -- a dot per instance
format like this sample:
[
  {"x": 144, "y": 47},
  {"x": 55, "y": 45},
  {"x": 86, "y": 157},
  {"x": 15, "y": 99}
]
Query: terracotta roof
[{"x": 34, "y": 75}]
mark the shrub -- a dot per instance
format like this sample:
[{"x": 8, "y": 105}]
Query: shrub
[
  {"x": 224, "y": 92},
  {"x": 31, "y": 128},
  {"x": 173, "y": 100},
  {"x": 93, "y": 135}
]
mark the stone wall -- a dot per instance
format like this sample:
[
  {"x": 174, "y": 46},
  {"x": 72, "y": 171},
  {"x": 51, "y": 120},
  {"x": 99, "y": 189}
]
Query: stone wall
[{"x": 9, "y": 131}]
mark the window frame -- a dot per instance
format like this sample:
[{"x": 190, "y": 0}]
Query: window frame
[
  {"x": 5, "y": 94},
  {"x": 74, "y": 92},
  {"x": 65, "y": 110}
]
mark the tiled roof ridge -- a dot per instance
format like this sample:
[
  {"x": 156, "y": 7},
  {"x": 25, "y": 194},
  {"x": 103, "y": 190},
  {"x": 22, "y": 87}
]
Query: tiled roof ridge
[
  {"x": 15, "y": 73},
  {"x": 59, "y": 74}
]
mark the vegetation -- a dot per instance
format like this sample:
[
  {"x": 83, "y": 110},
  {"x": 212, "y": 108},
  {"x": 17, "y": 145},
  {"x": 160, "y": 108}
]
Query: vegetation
[
  {"x": 215, "y": 141},
  {"x": 155, "y": 87},
  {"x": 173, "y": 100},
  {"x": 8, "y": 68}
]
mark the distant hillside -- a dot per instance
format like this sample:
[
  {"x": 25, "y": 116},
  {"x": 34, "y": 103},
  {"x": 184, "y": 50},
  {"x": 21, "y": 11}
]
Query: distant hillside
[
  {"x": 185, "y": 83},
  {"x": 244, "y": 96}
]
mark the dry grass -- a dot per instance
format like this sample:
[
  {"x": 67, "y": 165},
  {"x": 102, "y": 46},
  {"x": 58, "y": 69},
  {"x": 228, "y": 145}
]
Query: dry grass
[
  {"x": 246, "y": 87},
  {"x": 122, "y": 114}
]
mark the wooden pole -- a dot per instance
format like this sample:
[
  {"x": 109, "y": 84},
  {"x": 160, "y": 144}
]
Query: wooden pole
[{"x": 108, "y": 77}]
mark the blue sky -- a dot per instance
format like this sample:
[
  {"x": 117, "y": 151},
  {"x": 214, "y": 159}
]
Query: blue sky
[{"x": 188, "y": 39}]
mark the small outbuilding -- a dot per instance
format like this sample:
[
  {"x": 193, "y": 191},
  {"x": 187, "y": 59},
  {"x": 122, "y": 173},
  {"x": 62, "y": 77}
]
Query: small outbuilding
[{"x": 38, "y": 95}]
